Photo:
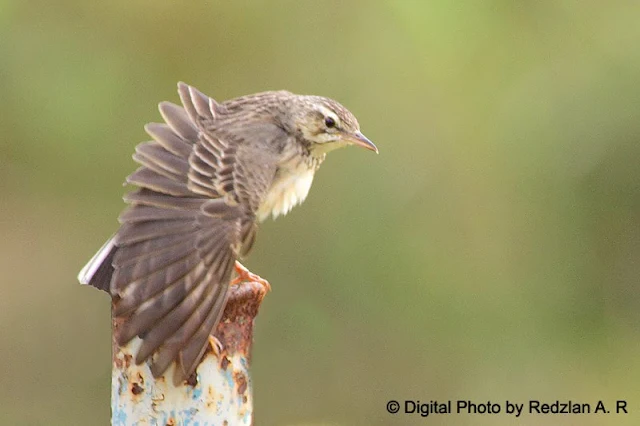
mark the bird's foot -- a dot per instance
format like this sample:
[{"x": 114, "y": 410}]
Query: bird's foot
[
  {"x": 216, "y": 346},
  {"x": 245, "y": 275}
]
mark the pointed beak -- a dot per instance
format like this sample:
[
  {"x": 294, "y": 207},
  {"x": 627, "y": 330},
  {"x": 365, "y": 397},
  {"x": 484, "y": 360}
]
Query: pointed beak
[{"x": 359, "y": 139}]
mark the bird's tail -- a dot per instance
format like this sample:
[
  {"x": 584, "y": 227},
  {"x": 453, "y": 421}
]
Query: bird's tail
[{"x": 98, "y": 271}]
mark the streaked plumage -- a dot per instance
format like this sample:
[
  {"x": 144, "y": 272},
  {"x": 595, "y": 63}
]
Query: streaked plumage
[{"x": 210, "y": 173}]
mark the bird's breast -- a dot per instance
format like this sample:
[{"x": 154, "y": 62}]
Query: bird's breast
[{"x": 289, "y": 188}]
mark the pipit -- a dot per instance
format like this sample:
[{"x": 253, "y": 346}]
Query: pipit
[{"x": 210, "y": 174}]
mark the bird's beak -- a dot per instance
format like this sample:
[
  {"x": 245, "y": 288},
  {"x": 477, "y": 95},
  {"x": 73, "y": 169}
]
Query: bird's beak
[{"x": 359, "y": 139}]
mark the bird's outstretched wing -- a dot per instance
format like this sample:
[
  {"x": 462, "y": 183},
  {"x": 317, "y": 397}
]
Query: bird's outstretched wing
[{"x": 192, "y": 216}]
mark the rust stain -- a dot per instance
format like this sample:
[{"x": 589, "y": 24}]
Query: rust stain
[
  {"x": 116, "y": 323},
  {"x": 235, "y": 333},
  {"x": 211, "y": 396},
  {"x": 123, "y": 362},
  {"x": 235, "y": 330},
  {"x": 241, "y": 381},
  {"x": 224, "y": 363},
  {"x": 136, "y": 389},
  {"x": 193, "y": 379}
]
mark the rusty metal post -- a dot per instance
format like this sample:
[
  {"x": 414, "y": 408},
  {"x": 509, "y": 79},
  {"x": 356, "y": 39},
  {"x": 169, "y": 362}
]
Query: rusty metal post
[{"x": 217, "y": 394}]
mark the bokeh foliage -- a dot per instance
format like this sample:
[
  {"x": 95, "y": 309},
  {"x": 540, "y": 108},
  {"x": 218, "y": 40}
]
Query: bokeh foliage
[{"x": 491, "y": 251}]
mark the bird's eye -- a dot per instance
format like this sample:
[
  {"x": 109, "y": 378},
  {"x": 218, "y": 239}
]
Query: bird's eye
[{"x": 329, "y": 122}]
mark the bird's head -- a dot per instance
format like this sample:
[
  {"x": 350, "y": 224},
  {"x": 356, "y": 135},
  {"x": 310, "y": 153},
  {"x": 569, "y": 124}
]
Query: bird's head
[{"x": 327, "y": 125}]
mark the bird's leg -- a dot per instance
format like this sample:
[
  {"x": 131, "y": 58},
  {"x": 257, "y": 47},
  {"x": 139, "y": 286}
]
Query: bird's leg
[{"x": 245, "y": 275}]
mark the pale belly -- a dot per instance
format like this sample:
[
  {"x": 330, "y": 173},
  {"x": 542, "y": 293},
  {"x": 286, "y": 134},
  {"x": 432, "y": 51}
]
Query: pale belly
[{"x": 288, "y": 190}]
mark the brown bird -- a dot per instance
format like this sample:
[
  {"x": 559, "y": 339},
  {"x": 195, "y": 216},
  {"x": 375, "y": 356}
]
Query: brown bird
[{"x": 212, "y": 171}]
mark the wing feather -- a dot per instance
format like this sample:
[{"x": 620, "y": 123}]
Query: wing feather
[
  {"x": 151, "y": 198},
  {"x": 134, "y": 232},
  {"x": 159, "y": 305},
  {"x": 142, "y": 279},
  {"x": 138, "y": 252},
  {"x": 193, "y": 214},
  {"x": 157, "y": 154},
  {"x": 177, "y": 118},
  {"x": 145, "y": 177},
  {"x": 148, "y": 213},
  {"x": 171, "y": 141}
]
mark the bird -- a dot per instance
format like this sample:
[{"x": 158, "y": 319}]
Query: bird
[{"x": 211, "y": 173}]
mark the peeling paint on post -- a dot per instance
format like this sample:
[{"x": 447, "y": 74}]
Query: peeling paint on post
[{"x": 219, "y": 392}]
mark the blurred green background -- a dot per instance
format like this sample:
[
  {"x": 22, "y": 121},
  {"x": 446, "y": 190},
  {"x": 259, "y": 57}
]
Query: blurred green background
[{"x": 490, "y": 252}]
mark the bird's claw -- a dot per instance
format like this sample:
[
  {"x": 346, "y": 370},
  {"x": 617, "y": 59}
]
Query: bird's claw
[
  {"x": 216, "y": 346},
  {"x": 245, "y": 275}
]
